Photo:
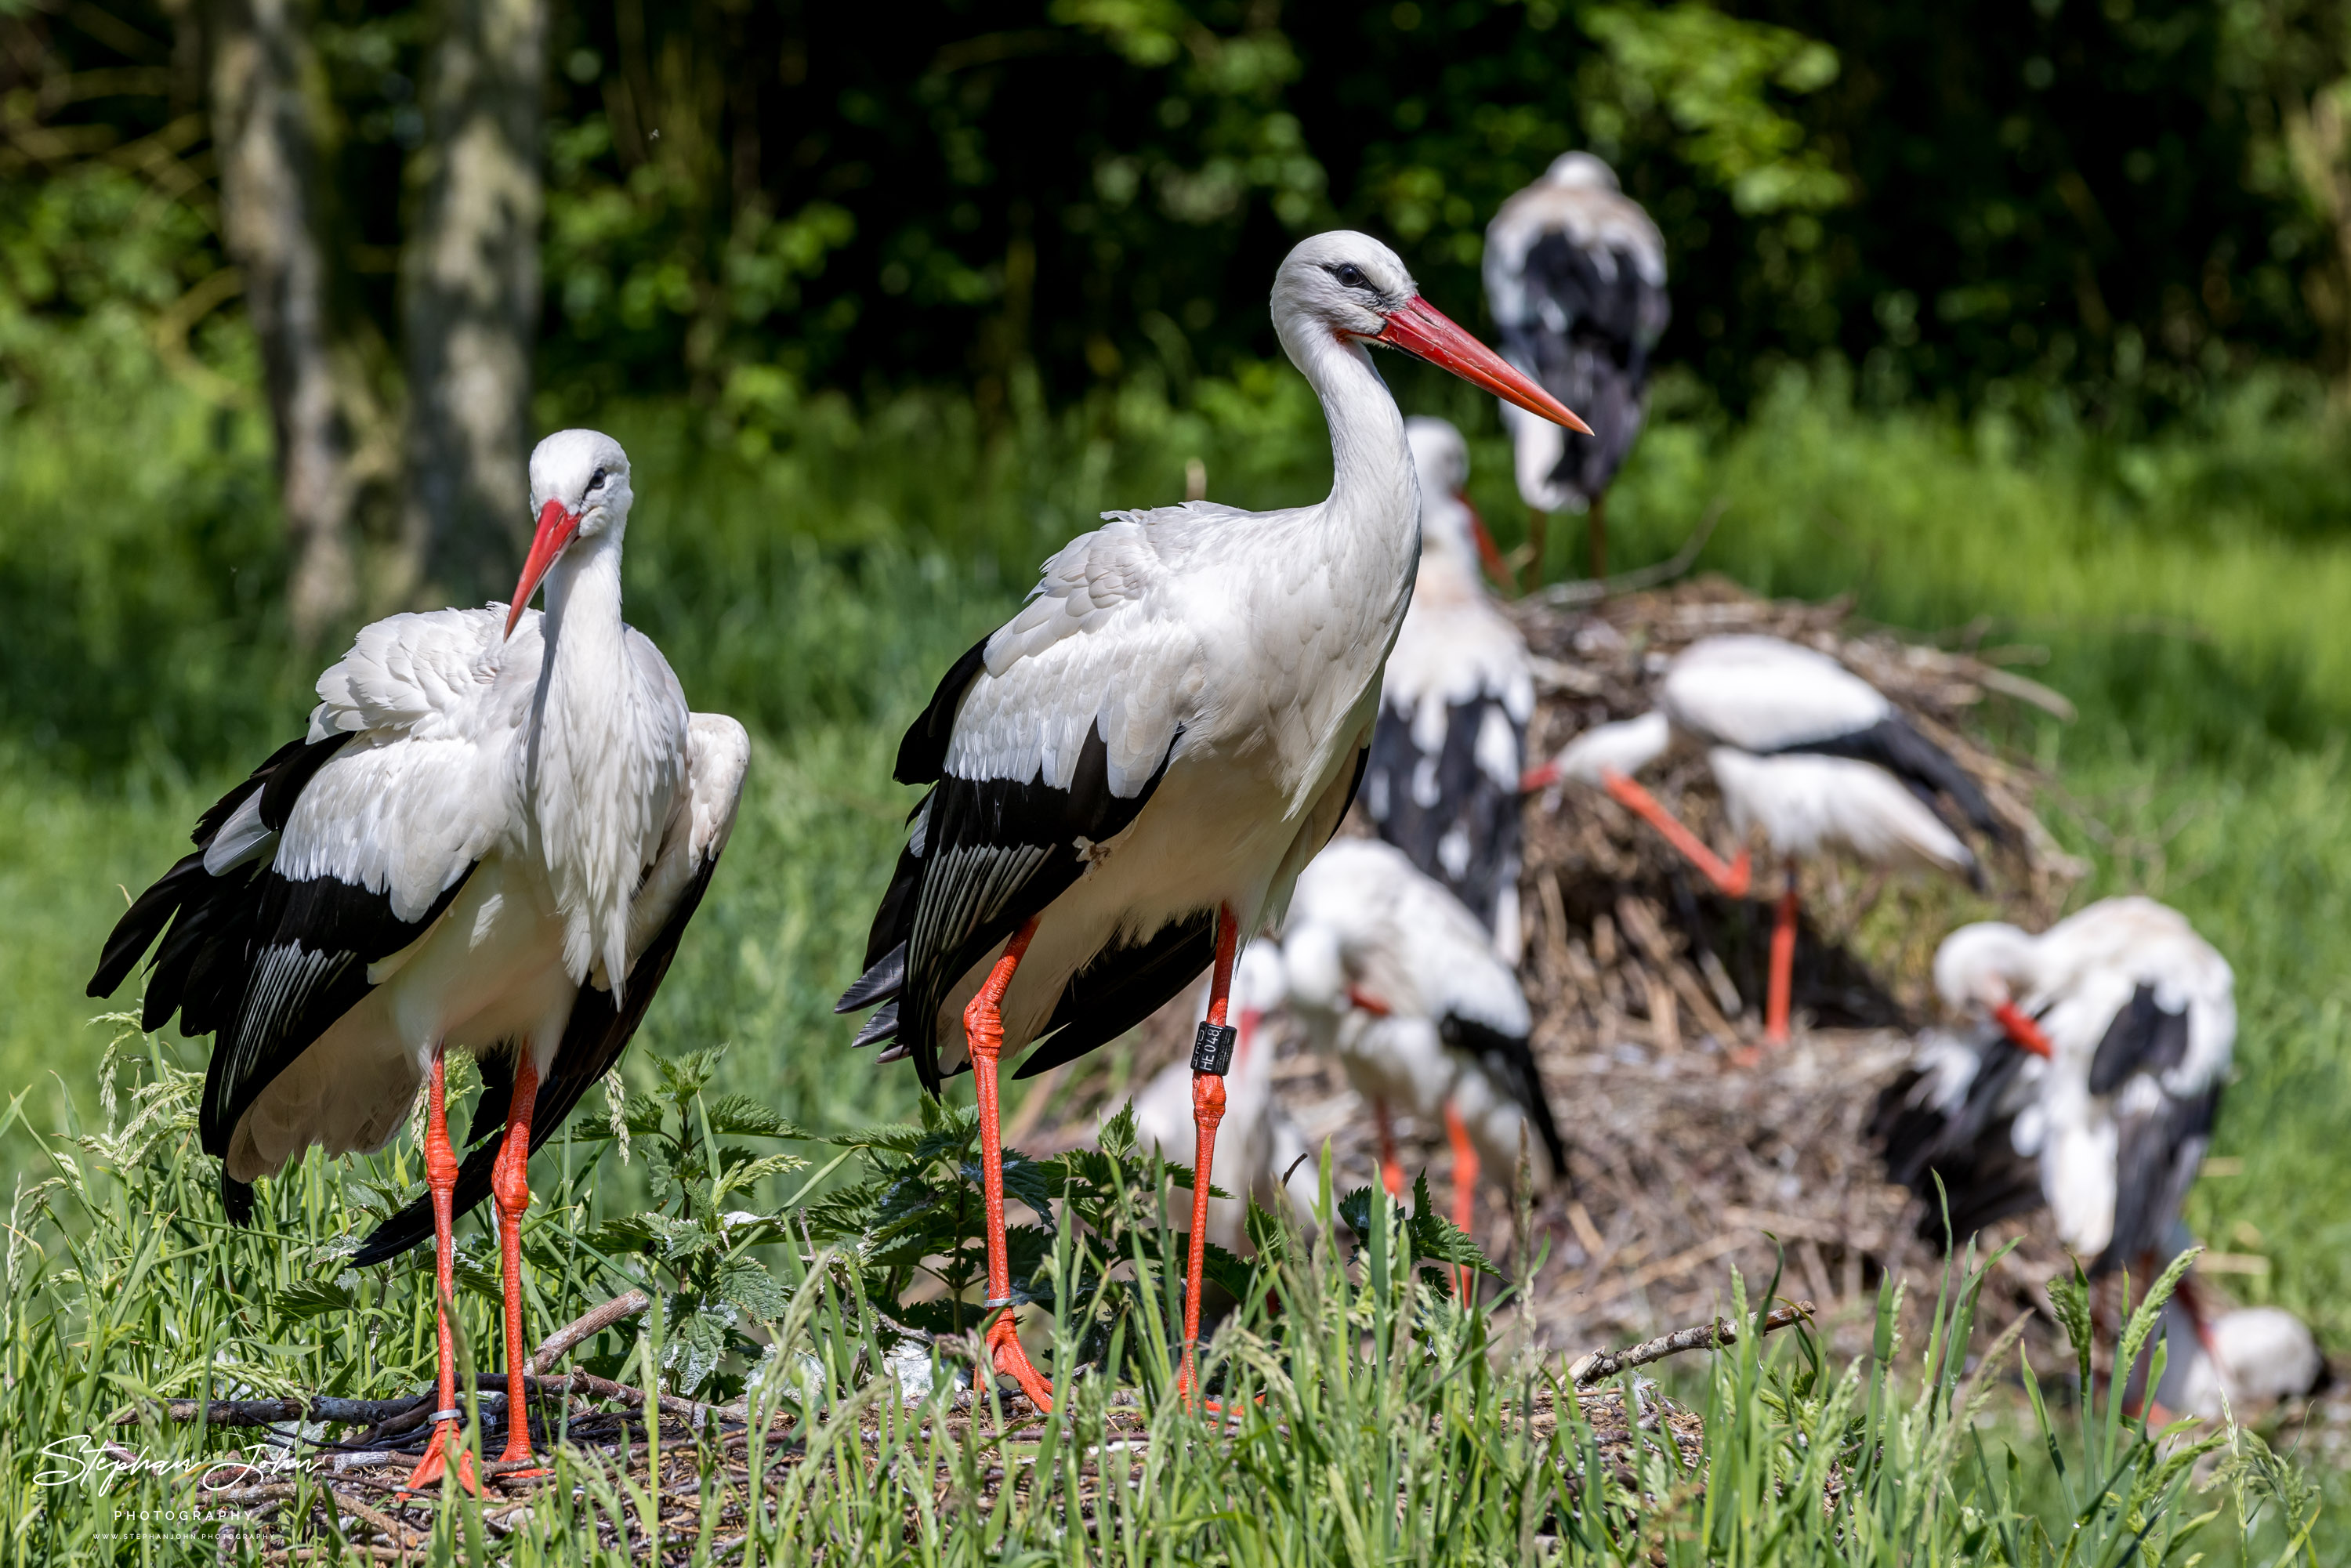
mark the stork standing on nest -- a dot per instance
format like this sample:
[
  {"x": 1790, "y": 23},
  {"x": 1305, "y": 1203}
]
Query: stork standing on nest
[
  {"x": 1389, "y": 973},
  {"x": 2114, "y": 1029},
  {"x": 491, "y": 840},
  {"x": 1447, "y": 754},
  {"x": 1575, "y": 278},
  {"x": 1130, "y": 774},
  {"x": 1803, "y": 750}
]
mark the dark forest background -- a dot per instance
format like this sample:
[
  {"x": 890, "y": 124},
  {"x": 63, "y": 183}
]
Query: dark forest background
[{"x": 287, "y": 286}]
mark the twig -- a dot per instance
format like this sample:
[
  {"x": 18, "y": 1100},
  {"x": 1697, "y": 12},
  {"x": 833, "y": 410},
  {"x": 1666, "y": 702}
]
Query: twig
[
  {"x": 627, "y": 1305},
  {"x": 271, "y": 1412},
  {"x": 1602, "y": 1364},
  {"x": 382, "y": 1524},
  {"x": 1569, "y": 595}
]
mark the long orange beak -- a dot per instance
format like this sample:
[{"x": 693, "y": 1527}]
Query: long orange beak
[
  {"x": 1419, "y": 329},
  {"x": 555, "y": 528},
  {"x": 2023, "y": 1030}
]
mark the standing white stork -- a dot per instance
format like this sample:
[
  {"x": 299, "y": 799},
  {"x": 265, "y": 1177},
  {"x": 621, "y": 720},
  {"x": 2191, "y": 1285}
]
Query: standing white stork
[
  {"x": 1393, "y": 975},
  {"x": 1131, "y": 771},
  {"x": 1259, "y": 1144},
  {"x": 1575, "y": 277},
  {"x": 491, "y": 839},
  {"x": 1447, "y": 754},
  {"x": 1803, "y": 750},
  {"x": 2116, "y": 1030}
]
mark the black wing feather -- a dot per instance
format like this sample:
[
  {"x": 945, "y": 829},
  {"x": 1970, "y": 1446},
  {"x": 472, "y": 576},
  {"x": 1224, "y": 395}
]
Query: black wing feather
[
  {"x": 593, "y": 1039},
  {"x": 992, "y": 852},
  {"x": 2156, "y": 1161},
  {"x": 2142, "y": 1037},
  {"x": 1929, "y": 770},
  {"x": 1599, "y": 365},
  {"x": 1511, "y": 1062},
  {"x": 923, "y": 753},
  {"x": 1121, "y": 988},
  {"x": 1485, "y": 810},
  {"x": 1970, "y": 1149}
]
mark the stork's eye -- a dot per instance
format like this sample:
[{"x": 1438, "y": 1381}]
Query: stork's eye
[
  {"x": 595, "y": 481},
  {"x": 1349, "y": 275}
]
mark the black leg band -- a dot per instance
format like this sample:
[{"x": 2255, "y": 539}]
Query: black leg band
[{"x": 1212, "y": 1048}]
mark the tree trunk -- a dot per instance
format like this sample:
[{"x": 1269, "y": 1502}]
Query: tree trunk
[
  {"x": 266, "y": 132},
  {"x": 470, "y": 299}
]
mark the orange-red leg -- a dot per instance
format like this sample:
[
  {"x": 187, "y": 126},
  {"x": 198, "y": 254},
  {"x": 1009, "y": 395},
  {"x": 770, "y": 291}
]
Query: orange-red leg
[
  {"x": 1783, "y": 964},
  {"x": 1732, "y": 879},
  {"x": 983, "y": 1028},
  {"x": 1207, "y": 1111},
  {"x": 1465, "y": 1182},
  {"x": 1390, "y": 1168},
  {"x": 440, "y": 1179},
  {"x": 510, "y": 1184}
]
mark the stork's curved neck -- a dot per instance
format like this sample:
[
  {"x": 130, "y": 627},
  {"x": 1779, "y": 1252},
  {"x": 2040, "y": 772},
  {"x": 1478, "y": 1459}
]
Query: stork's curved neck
[{"x": 1371, "y": 477}]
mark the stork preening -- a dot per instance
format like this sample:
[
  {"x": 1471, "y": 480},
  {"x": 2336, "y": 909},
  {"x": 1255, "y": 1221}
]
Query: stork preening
[
  {"x": 1130, "y": 774},
  {"x": 1447, "y": 754},
  {"x": 491, "y": 841},
  {"x": 1575, "y": 277},
  {"x": 1257, "y": 1145},
  {"x": 1803, "y": 751},
  {"x": 2107, "y": 1040},
  {"x": 1390, "y": 973}
]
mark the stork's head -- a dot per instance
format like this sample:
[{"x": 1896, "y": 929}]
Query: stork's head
[
  {"x": 579, "y": 490},
  {"x": 1580, "y": 172},
  {"x": 1355, "y": 288},
  {"x": 1981, "y": 968}
]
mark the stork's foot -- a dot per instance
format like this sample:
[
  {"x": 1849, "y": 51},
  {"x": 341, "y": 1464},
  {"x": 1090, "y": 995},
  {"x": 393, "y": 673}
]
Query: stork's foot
[
  {"x": 435, "y": 1465},
  {"x": 1010, "y": 1361},
  {"x": 519, "y": 1452}
]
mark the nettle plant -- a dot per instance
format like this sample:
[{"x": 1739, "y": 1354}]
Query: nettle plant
[
  {"x": 693, "y": 1250},
  {"x": 1102, "y": 1246}
]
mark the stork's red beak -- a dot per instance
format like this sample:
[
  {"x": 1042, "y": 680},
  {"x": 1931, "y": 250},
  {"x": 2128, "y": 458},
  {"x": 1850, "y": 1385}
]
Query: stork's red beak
[
  {"x": 1419, "y": 329},
  {"x": 2023, "y": 1030},
  {"x": 555, "y": 528}
]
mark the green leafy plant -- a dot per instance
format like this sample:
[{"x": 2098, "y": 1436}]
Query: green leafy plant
[{"x": 695, "y": 1246}]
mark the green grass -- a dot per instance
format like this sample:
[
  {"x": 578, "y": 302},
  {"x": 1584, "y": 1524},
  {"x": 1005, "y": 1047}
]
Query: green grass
[
  {"x": 1378, "y": 1421},
  {"x": 811, "y": 571}
]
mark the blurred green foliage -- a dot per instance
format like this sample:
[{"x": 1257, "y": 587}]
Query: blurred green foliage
[{"x": 2132, "y": 202}]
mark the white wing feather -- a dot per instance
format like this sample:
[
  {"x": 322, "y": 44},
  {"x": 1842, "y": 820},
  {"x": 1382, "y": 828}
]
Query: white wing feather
[{"x": 1761, "y": 694}]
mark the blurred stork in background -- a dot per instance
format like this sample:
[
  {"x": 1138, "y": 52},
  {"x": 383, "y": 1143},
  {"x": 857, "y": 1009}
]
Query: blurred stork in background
[
  {"x": 1390, "y": 973},
  {"x": 2108, "y": 1040},
  {"x": 1575, "y": 278},
  {"x": 1127, "y": 776},
  {"x": 491, "y": 840},
  {"x": 1803, "y": 750},
  {"x": 1442, "y": 784},
  {"x": 1258, "y": 1145}
]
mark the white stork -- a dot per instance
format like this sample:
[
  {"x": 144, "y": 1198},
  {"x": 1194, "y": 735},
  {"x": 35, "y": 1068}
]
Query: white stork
[
  {"x": 1390, "y": 973},
  {"x": 1131, "y": 771},
  {"x": 1447, "y": 754},
  {"x": 1801, "y": 748},
  {"x": 1258, "y": 1143},
  {"x": 2108, "y": 1039},
  {"x": 1575, "y": 278},
  {"x": 491, "y": 839}
]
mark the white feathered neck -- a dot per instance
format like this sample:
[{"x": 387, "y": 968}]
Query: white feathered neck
[{"x": 604, "y": 759}]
